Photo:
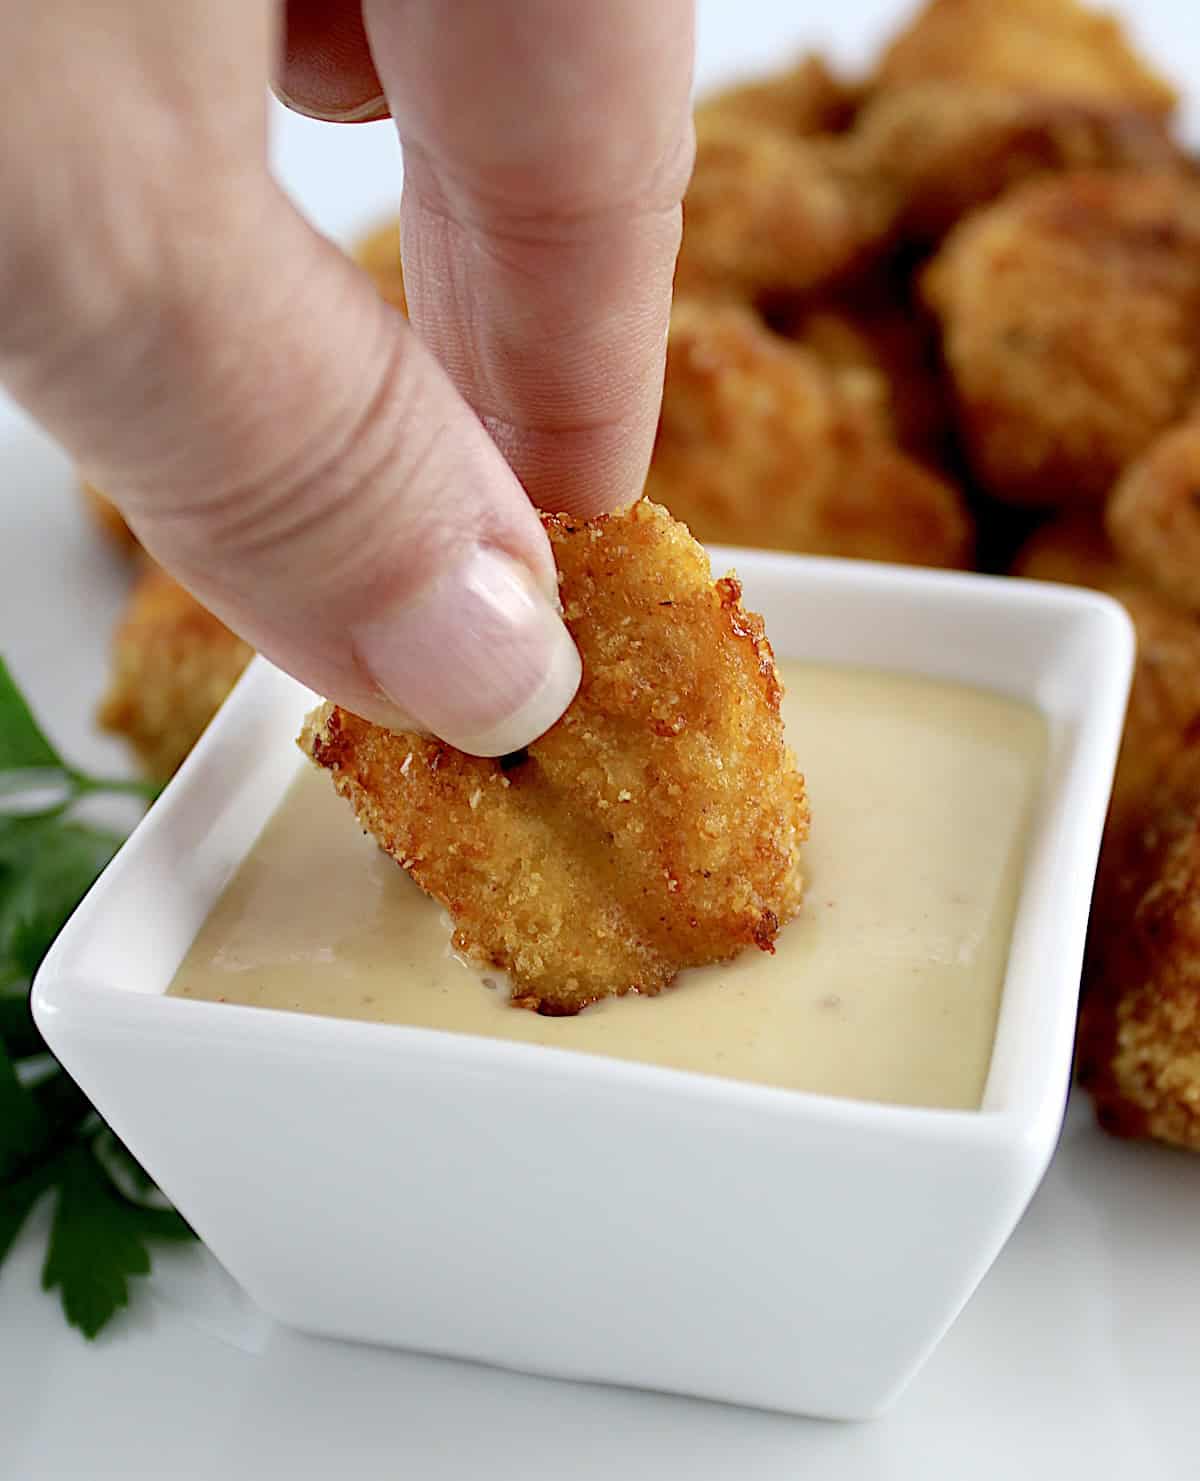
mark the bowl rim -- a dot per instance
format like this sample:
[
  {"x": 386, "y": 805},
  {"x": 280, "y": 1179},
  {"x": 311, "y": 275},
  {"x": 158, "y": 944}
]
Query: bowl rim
[{"x": 68, "y": 1001}]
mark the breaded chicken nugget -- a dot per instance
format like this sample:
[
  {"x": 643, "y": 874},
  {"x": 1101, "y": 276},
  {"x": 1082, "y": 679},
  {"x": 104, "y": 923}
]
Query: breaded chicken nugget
[
  {"x": 759, "y": 444},
  {"x": 1153, "y": 516},
  {"x": 173, "y": 663},
  {"x": 767, "y": 214},
  {"x": 1074, "y": 550},
  {"x": 1057, "y": 47},
  {"x": 884, "y": 354},
  {"x": 946, "y": 148},
  {"x": 378, "y": 253},
  {"x": 1139, "y": 1036},
  {"x": 807, "y": 98},
  {"x": 1139, "y": 1040},
  {"x": 1164, "y": 703},
  {"x": 108, "y": 517},
  {"x": 1069, "y": 310},
  {"x": 655, "y": 827}
]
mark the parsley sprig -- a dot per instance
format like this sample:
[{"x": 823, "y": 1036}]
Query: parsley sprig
[{"x": 52, "y": 1141}]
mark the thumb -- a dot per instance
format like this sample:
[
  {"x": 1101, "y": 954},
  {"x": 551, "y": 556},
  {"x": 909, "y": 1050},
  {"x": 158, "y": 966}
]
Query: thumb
[{"x": 280, "y": 440}]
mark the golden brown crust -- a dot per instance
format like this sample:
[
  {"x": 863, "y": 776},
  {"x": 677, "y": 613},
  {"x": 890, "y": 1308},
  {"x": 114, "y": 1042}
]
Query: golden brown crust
[
  {"x": 378, "y": 253},
  {"x": 806, "y": 98},
  {"x": 108, "y": 517},
  {"x": 655, "y": 827},
  {"x": 1069, "y": 312},
  {"x": 944, "y": 149},
  {"x": 1164, "y": 702},
  {"x": 1057, "y": 47},
  {"x": 1072, "y": 549},
  {"x": 766, "y": 213},
  {"x": 173, "y": 663},
  {"x": 1153, "y": 516},
  {"x": 759, "y": 444},
  {"x": 1139, "y": 1039},
  {"x": 883, "y": 354}
]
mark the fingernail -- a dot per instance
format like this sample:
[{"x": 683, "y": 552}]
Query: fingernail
[
  {"x": 481, "y": 658},
  {"x": 372, "y": 111}
]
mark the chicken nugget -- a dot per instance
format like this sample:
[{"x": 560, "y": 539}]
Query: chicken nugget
[
  {"x": 1153, "y": 516},
  {"x": 173, "y": 663},
  {"x": 1073, "y": 549},
  {"x": 946, "y": 148},
  {"x": 807, "y": 98},
  {"x": 108, "y": 517},
  {"x": 766, "y": 214},
  {"x": 1139, "y": 1035},
  {"x": 1164, "y": 702},
  {"x": 759, "y": 444},
  {"x": 1055, "y": 47},
  {"x": 378, "y": 254},
  {"x": 883, "y": 353},
  {"x": 1069, "y": 311},
  {"x": 656, "y": 826}
]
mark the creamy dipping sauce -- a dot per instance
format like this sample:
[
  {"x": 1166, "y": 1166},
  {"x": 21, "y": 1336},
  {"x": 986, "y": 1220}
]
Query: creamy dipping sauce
[{"x": 886, "y": 987}]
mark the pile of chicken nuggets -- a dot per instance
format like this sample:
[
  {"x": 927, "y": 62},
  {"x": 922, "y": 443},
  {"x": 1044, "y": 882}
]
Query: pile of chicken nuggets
[{"x": 944, "y": 314}]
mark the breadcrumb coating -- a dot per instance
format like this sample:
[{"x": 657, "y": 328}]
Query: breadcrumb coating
[
  {"x": 1139, "y": 1041},
  {"x": 1139, "y": 1038},
  {"x": 943, "y": 149},
  {"x": 108, "y": 517},
  {"x": 760, "y": 444},
  {"x": 1069, "y": 311},
  {"x": 806, "y": 98},
  {"x": 1058, "y": 47},
  {"x": 1072, "y": 549},
  {"x": 884, "y": 354},
  {"x": 656, "y": 826},
  {"x": 766, "y": 213},
  {"x": 378, "y": 254},
  {"x": 1164, "y": 702},
  {"x": 173, "y": 664},
  {"x": 1153, "y": 516}
]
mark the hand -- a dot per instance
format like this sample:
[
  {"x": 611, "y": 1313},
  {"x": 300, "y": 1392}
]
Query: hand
[{"x": 331, "y": 482}]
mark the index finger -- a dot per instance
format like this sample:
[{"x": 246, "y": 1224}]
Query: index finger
[{"x": 547, "y": 148}]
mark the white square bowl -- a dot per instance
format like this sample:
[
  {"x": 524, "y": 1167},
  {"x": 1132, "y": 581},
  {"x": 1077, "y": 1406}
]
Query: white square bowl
[{"x": 576, "y": 1216}]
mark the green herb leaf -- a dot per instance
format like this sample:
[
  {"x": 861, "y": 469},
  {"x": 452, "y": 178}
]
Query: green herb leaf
[
  {"x": 64, "y": 1107},
  {"x": 23, "y": 1128},
  {"x": 98, "y": 1241},
  {"x": 50, "y": 1134},
  {"x": 46, "y": 868},
  {"x": 95, "y": 1245},
  {"x": 16, "y": 1200},
  {"x": 22, "y": 743},
  {"x": 18, "y": 1032}
]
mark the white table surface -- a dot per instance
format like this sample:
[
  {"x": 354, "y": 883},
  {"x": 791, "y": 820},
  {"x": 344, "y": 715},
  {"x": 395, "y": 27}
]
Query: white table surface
[{"x": 1078, "y": 1359}]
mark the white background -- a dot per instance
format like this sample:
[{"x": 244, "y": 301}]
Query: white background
[{"x": 1078, "y": 1358}]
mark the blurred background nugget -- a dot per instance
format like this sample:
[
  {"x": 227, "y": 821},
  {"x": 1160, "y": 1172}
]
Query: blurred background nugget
[
  {"x": 1069, "y": 310},
  {"x": 760, "y": 443},
  {"x": 1139, "y": 1038},
  {"x": 173, "y": 664},
  {"x": 768, "y": 212},
  {"x": 1153, "y": 516},
  {"x": 1056, "y": 47},
  {"x": 108, "y": 517},
  {"x": 807, "y": 98},
  {"x": 378, "y": 254}
]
